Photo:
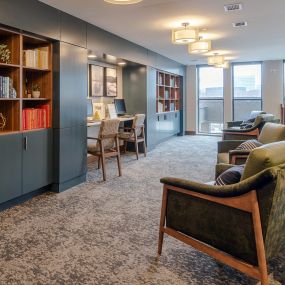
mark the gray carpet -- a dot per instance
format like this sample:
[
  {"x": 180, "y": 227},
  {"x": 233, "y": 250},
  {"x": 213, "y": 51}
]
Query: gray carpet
[{"x": 106, "y": 232}]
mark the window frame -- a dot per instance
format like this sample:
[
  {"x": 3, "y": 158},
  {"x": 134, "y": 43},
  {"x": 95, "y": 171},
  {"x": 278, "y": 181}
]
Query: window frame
[
  {"x": 207, "y": 99},
  {"x": 246, "y": 98}
]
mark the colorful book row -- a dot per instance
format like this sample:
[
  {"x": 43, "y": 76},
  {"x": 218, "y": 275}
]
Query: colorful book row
[
  {"x": 36, "y": 58},
  {"x": 36, "y": 118},
  {"x": 6, "y": 88}
]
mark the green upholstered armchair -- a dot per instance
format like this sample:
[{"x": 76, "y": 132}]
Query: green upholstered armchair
[
  {"x": 241, "y": 225},
  {"x": 252, "y": 116},
  {"x": 271, "y": 132},
  {"x": 238, "y": 133}
]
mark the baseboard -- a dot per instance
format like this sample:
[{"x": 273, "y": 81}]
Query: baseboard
[
  {"x": 60, "y": 187},
  {"x": 190, "y": 133},
  {"x": 23, "y": 198}
]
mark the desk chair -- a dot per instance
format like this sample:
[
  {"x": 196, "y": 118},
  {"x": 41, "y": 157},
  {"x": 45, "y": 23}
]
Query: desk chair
[
  {"x": 135, "y": 134},
  {"x": 106, "y": 145}
]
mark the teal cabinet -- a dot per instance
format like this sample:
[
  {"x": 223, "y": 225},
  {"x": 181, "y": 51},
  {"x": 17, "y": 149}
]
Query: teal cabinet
[
  {"x": 37, "y": 160},
  {"x": 10, "y": 167}
]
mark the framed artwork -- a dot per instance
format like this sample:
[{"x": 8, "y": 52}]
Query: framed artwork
[
  {"x": 111, "y": 82},
  {"x": 96, "y": 83}
]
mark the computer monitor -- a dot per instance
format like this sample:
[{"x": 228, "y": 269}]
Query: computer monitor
[
  {"x": 120, "y": 106},
  {"x": 89, "y": 108}
]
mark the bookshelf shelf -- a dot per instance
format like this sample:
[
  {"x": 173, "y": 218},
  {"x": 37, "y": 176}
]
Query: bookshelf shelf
[
  {"x": 28, "y": 69},
  {"x": 167, "y": 92}
]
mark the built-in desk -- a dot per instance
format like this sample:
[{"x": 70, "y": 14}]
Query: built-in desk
[{"x": 98, "y": 123}]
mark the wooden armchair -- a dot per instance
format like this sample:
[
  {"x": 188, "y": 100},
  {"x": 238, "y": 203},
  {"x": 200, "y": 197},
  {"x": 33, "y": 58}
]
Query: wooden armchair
[
  {"x": 241, "y": 225},
  {"x": 106, "y": 145},
  {"x": 135, "y": 134}
]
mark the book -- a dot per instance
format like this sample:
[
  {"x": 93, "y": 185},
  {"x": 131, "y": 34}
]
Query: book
[
  {"x": 36, "y": 118},
  {"x": 36, "y": 58}
]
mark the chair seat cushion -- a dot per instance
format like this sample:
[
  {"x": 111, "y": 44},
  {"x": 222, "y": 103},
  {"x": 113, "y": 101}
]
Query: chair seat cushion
[
  {"x": 230, "y": 176},
  {"x": 92, "y": 147},
  {"x": 223, "y": 157},
  {"x": 249, "y": 145},
  {"x": 125, "y": 135}
]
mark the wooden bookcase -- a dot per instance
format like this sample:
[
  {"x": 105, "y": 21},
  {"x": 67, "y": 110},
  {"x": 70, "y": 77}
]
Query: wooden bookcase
[
  {"x": 167, "y": 92},
  {"x": 23, "y": 79}
]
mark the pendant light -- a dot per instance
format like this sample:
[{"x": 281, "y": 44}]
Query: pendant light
[
  {"x": 226, "y": 64},
  {"x": 184, "y": 35},
  {"x": 200, "y": 46},
  {"x": 216, "y": 59},
  {"x": 123, "y": 2}
]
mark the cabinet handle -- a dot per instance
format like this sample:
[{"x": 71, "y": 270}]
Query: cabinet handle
[
  {"x": 25, "y": 143},
  {"x": 158, "y": 118},
  {"x": 175, "y": 115},
  {"x": 165, "y": 117}
]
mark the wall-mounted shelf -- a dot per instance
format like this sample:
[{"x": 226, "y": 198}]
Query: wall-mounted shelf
[
  {"x": 167, "y": 92},
  {"x": 17, "y": 81}
]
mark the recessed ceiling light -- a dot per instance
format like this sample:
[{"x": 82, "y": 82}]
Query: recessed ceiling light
[
  {"x": 233, "y": 7},
  {"x": 92, "y": 56},
  {"x": 122, "y": 63},
  {"x": 240, "y": 24},
  {"x": 123, "y": 2}
]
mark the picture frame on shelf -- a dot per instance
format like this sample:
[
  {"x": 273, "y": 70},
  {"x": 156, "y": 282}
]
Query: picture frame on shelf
[
  {"x": 96, "y": 80},
  {"x": 111, "y": 82}
]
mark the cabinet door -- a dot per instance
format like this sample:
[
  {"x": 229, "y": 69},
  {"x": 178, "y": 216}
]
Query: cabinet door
[
  {"x": 37, "y": 160},
  {"x": 176, "y": 118},
  {"x": 10, "y": 167}
]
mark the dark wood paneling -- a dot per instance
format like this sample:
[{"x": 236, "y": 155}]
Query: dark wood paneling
[
  {"x": 10, "y": 167},
  {"x": 37, "y": 160},
  {"x": 73, "y": 30},
  {"x": 32, "y": 16}
]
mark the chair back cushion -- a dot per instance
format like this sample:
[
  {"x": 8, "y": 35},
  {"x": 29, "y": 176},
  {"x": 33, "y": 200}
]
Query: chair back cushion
[
  {"x": 263, "y": 157},
  {"x": 254, "y": 114},
  {"x": 272, "y": 133},
  {"x": 108, "y": 128},
  {"x": 138, "y": 122},
  {"x": 263, "y": 118}
]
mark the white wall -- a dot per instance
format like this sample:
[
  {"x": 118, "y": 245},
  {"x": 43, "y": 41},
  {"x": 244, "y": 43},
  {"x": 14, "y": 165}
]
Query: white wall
[{"x": 272, "y": 91}]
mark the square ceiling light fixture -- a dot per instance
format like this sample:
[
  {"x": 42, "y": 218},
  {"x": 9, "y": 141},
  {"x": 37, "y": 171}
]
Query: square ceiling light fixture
[
  {"x": 184, "y": 35},
  {"x": 123, "y": 2},
  {"x": 216, "y": 59},
  {"x": 200, "y": 46}
]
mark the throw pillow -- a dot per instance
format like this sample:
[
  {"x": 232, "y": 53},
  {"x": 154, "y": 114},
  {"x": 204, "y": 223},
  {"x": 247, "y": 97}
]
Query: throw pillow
[
  {"x": 249, "y": 145},
  {"x": 230, "y": 176}
]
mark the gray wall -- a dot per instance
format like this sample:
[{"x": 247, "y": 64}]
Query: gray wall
[{"x": 272, "y": 92}]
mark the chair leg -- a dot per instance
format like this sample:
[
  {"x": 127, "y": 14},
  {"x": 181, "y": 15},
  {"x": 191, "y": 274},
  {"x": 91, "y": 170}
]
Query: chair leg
[
  {"x": 162, "y": 220},
  {"x": 136, "y": 146},
  {"x": 125, "y": 146},
  {"x": 259, "y": 244},
  {"x": 99, "y": 162},
  {"x": 144, "y": 145},
  {"x": 103, "y": 160},
  {"x": 118, "y": 157}
]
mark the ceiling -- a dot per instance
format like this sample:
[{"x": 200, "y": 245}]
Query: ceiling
[{"x": 149, "y": 24}]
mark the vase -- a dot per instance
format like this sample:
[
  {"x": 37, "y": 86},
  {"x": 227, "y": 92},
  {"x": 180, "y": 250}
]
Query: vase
[{"x": 36, "y": 94}]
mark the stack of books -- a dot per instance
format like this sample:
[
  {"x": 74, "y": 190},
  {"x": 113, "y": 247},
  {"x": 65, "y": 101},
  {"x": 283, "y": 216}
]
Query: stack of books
[
  {"x": 36, "y": 58},
  {"x": 6, "y": 87},
  {"x": 36, "y": 118}
]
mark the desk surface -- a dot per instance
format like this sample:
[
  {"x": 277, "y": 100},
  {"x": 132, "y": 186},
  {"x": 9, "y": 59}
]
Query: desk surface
[{"x": 98, "y": 123}]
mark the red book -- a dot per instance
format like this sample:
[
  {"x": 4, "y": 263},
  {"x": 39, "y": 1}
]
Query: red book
[{"x": 47, "y": 115}]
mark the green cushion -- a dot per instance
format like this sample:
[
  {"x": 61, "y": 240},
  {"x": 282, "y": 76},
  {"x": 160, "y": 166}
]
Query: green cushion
[
  {"x": 272, "y": 133},
  {"x": 263, "y": 157}
]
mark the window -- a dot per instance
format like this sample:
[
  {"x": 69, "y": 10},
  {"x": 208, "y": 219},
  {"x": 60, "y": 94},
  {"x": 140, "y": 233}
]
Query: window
[
  {"x": 210, "y": 99},
  {"x": 247, "y": 90}
]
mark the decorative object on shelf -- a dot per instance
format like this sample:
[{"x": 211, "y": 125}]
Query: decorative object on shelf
[
  {"x": 200, "y": 46},
  {"x": 184, "y": 35},
  {"x": 123, "y": 2},
  {"x": 216, "y": 59},
  {"x": 96, "y": 79},
  {"x": 36, "y": 93},
  {"x": 99, "y": 111},
  {"x": 111, "y": 82},
  {"x": 5, "y": 53},
  {"x": 2, "y": 122}
]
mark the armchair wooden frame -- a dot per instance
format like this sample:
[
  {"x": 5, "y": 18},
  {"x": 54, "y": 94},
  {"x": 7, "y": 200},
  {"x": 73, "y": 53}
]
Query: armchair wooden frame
[
  {"x": 134, "y": 138},
  {"x": 253, "y": 133},
  {"x": 102, "y": 154},
  {"x": 247, "y": 202}
]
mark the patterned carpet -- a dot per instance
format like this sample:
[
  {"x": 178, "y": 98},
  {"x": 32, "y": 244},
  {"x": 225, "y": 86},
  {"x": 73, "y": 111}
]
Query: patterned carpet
[{"x": 106, "y": 233}]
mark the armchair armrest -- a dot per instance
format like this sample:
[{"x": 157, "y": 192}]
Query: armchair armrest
[
  {"x": 234, "y": 124},
  {"x": 234, "y": 190},
  {"x": 221, "y": 168},
  {"x": 226, "y": 146},
  {"x": 239, "y": 152}
]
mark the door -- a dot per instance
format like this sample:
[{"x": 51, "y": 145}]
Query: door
[
  {"x": 10, "y": 167},
  {"x": 37, "y": 160}
]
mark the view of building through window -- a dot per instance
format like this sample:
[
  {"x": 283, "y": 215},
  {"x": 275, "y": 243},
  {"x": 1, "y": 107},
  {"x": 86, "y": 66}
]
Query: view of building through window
[
  {"x": 210, "y": 99},
  {"x": 247, "y": 89}
]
